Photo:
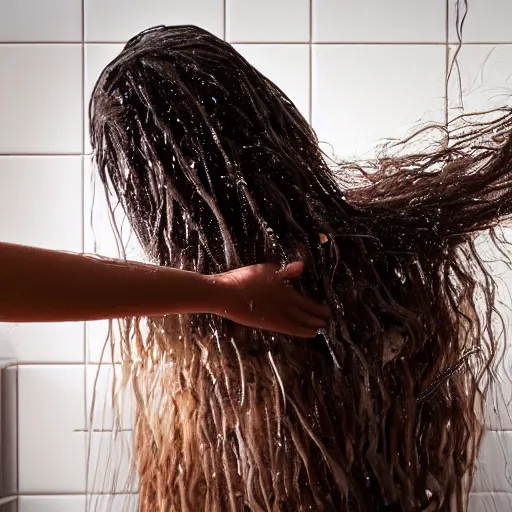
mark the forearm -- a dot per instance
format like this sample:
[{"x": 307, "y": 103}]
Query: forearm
[{"x": 38, "y": 285}]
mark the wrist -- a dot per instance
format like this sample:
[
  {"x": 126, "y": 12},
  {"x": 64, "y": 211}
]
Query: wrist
[{"x": 218, "y": 293}]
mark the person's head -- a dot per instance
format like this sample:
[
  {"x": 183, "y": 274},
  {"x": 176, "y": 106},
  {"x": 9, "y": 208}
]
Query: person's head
[
  {"x": 216, "y": 168},
  {"x": 214, "y": 164}
]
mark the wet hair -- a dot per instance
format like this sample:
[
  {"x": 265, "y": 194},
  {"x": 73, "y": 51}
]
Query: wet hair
[{"x": 215, "y": 169}]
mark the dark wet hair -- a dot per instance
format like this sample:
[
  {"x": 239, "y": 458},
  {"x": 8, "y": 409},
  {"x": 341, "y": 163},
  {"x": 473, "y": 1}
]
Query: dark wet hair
[{"x": 216, "y": 168}]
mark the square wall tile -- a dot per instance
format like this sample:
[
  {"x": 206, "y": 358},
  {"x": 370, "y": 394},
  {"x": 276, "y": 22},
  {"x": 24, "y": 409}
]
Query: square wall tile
[
  {"x": 41, "y": 99},
  {"x": 102, "y": 340},
  {"x": 97, "y": 57},
  {"x": 363, "y": 94},
  {"x": 41, "y": 205},
  {"x": 493, "y": 465},
  {"x": 52, "y": 455},
  {"x": 110, "y": 406},
  {"x": 113, "y": 503},
  {"x": 490, "y": 502},
  {"x": 110, "y": 463},
  {"x": 9, "y": 426},
  {"x": 10, "y": 504},
  {"x": 6, "y": 349},
  {"x": 41, "y": 20},
  {"x": 498, "y": 400},
  {"x": 268, "y": 21},
  {"x": 481, "y": 80},
  {"x": 106, "y": 228},
  {"x": 286, "y": 65},
  {"x": 47, "y": 342},
  {"x": 119, "y": 20},
  {"x": 486, "y": 21},
  {"x": 375, "y": 21},
  {"x": 52, "y": 504},
  {"x": 41, "y": 201}
]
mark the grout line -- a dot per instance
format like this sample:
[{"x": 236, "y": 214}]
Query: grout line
[
  {"x": 83, "y": 215},
  {"x": 101, "y": 430},
  {"x": 83, "y": 80},
  {"x": 39, "y": 155},
  {"x": 346, "y": 43},
  {"x": 21, "y": 364},
  {"x": 17, "y": 430},
  {"x": 30, "y": 43},
  {"x": 319, "y": 43},
  {"x": 67, "y": 363},
  {"x": 9, "y": 499},
  {"x": 446, "y": 60},
  {"x": 310, "y": 99},
  {"x": 82, "y": 201},
  {"x": 106, "y": 493},
  {"x": 225, "y": 17}
]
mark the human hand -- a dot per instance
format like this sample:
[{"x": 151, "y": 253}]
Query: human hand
[{"x": 260, "y": 296}]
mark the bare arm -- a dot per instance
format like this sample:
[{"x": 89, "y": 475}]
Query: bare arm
[{"x": 38, "y": 285}]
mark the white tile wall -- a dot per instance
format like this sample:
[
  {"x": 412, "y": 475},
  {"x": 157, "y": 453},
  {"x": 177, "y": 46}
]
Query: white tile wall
[
  {"x": 364, "y": 93},
  {"x": 42, "y": 198},
  {"x": 100, "y": 381},
  {"x": 118, "y": 20},
  {"x": 268, "y": 21},
  {"x": 41, "y": 205},
  {"x": 110, "y": 464},
  {"x": 38, "y": 20},
  {"x": 40, "y": 98},
  {"x": 483, "y": 78},
  {"x": 113, "y": 503},
  {"x": 100, "y": 236},
  {"x": 52, "y": 504},
  {"x": 51, "y": 414},
  {"x": 377, "y": 21},
  {"x": 98, "y": 347},
  {"x": 98, "y": 503},
  {"x": 286, "y": 65},
  {"x": 490, "y": 502},
  {"x": 494, "y": 470},
  {"x": 487, "y": 21},
  {"x": 97, "y": 56},
  {"x": 360, "y": 71}
]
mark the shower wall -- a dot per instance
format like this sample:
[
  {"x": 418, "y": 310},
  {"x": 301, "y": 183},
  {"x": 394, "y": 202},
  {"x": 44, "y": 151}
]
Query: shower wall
[{"x": 358, "y": 71}]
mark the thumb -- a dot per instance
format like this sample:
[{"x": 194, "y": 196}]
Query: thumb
[{"x": 292, "y": 270}]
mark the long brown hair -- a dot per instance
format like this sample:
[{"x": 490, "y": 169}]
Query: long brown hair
[{"x": 216, "y": 168}]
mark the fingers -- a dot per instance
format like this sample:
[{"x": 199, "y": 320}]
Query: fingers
[
  {"x": 307, "y": 320},
  {"x": 301, "y": 332},
  {"x": 293, "y": 271},
  {"x": 310, "y": 307}
]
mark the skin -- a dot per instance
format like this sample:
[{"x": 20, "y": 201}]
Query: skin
[{"x": 38, "y": 285}]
